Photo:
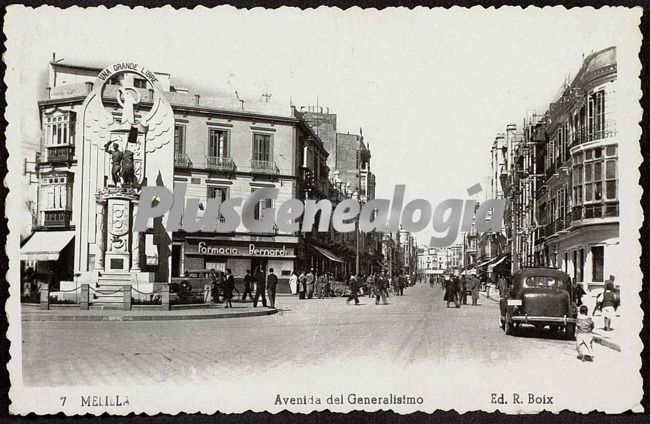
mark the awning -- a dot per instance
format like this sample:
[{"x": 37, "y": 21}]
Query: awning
[
  {"x": 499, "y": 259},
  {"x": 329, "y": 255},
  {"x": 45, "y": 245},
  {"x": 490, "y": 261}
]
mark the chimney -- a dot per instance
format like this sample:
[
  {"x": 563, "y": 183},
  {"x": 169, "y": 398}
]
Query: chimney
[{"x": 197, "y": 99}]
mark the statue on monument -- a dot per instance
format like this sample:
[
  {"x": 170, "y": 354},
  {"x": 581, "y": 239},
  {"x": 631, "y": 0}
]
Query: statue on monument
[
  {"x": 122, "y": 163},
  {"x": 116, "y": 161}
]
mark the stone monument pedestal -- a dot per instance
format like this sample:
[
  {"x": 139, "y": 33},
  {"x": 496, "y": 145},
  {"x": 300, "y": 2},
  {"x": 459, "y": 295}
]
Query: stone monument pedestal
[{"x": 119, "y": 248}]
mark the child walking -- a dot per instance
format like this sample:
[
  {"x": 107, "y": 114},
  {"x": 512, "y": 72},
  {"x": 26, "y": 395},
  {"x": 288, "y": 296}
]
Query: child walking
[{"x": 584, "y": 336}]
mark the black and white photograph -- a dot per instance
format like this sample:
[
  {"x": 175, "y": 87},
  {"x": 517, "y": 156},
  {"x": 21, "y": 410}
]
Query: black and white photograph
[{"x": 223, "y": 210}]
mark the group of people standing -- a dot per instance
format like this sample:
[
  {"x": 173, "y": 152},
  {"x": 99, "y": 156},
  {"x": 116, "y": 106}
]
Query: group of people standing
[
  {"x": 457, "y": 288},
  {"x": 310, "y": 284}
]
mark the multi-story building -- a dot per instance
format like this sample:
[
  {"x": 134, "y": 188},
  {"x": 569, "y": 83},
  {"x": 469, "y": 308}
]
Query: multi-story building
[
  {"x": 561, "y": 179},
  {"x": 223, "y": 148},
  {"x": 349, "y": 164}
]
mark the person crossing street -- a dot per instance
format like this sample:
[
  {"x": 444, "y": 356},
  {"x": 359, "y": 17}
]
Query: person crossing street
[{"x": 354, "y": 287}]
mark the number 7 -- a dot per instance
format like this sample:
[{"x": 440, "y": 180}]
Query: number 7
[{"x": 63, "y": 398}]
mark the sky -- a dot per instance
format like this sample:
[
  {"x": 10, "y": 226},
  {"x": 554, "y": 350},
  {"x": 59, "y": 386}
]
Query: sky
[{"x": 431, "y": 88}]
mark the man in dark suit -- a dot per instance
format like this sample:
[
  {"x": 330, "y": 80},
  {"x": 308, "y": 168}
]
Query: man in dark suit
[
  {"x": 248, "y": 281},
  {"x": 260, "y": 287},
  {"x": 271, "y": 286},
  {"x": 354, "y": 287}
]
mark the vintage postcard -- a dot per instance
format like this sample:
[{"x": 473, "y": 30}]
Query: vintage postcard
[{"x": 306, "y": 210}]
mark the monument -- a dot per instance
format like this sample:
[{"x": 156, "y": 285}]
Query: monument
[{"x": 127, "y": 142}]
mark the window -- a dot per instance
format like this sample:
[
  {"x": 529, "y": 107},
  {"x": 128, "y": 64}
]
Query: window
[
  {"x": 218, "y": 143},
  {"x": 581, "y": 265},
  {"x": 139, "y": 83},
  {"x": 261, "y": 206},
  {"x": 262, "y": 147},
  {"x": 597, "y": 262},
  {"x": 598, "y": 130},
  {"x": 543, "y": 282},
  {"x": 218, "y": 193},
  {"x": 59, "y": 130},
  {"x": 54, "y": 193},
  {"x": 610, "y": 179},
  {"x": 116, "y": 80},
  {"x": 179, "y": 139}
]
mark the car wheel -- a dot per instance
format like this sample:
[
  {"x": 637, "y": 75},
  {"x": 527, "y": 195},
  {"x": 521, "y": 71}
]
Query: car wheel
[{"x": 570, "y": 332}]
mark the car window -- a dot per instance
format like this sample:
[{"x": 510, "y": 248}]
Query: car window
[{"x": 543, "y": 282}]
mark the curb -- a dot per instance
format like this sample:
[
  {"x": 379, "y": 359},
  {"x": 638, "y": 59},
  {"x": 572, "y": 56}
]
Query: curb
[
  {"x": 96, "y": 318},
  {"x": 606, "y": 342}
]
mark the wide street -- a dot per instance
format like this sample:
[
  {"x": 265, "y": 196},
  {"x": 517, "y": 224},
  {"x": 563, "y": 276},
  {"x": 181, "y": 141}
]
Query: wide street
[{"x": 412, "y": 328}]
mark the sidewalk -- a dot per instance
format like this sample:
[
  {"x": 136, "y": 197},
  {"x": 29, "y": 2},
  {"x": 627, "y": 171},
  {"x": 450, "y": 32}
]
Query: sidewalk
[
  {"x": 30, "y": 313},
  {"x": 605, "y": 338}
]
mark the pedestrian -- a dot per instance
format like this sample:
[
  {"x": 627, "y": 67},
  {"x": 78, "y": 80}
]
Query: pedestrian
[
  {"x": 451, "y": 290},
  {"x": 584, "y": 335},
  {"x": 607, "y": 301},
  {"x": 320, "y": 286},
  {"x": 293, "y": 282},
  {"x": 502, "y": 286},
  {"x": 271, "y": 286},
  {"x": 370, "y": 283},
  {"x": 354, "y": 287},
  {"x": 302, "y": 285},
  {"x": 578, "y": 292},
  {"x": 473, "y": 287},
  {"x": 310, "y": 278},
  {"x": 381, "y": 288},
  {"x": 462, "y": 290},
  {"x": 207, "y": 290},
  {"x": 260, "y": 289},
  {"x": 401, "y": 283},
  {"x": 228, "y": 287},
  {"x": 248, "y": 282}
]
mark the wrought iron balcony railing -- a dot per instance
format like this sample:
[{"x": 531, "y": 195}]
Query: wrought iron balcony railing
[
  {"x": 181, "y": 160},
  {"x": 264, "y": 166},
  {"x": 220, "y": 163}
]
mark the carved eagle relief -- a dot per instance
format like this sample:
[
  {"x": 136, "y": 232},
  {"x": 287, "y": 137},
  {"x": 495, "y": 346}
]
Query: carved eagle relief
[{"x": 155, "y": 129}]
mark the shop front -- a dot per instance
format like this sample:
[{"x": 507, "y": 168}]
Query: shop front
[{"x": 204, "y": 254}]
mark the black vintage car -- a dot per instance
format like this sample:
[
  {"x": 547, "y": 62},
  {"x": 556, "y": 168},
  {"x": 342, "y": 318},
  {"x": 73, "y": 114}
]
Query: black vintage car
[{"x": 540, "y": 297}]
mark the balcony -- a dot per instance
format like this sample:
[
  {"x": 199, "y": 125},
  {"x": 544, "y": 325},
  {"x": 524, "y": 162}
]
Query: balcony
[
  {"x": 56, "y": 218},
  {"x": 607, "y": 129},
  {"x": 220, "y": 163},
  {"x": 59, "y": 154},
  {"x": 181, "y": 160},
  {"x": 264, "y": 167}
]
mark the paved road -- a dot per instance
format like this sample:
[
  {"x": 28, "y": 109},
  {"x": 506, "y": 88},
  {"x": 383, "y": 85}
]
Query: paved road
[{"x": 413, "y": 328}]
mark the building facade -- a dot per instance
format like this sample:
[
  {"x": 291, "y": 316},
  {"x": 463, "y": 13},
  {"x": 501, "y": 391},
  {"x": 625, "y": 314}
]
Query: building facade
[{"x": 560, "y": 179}]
